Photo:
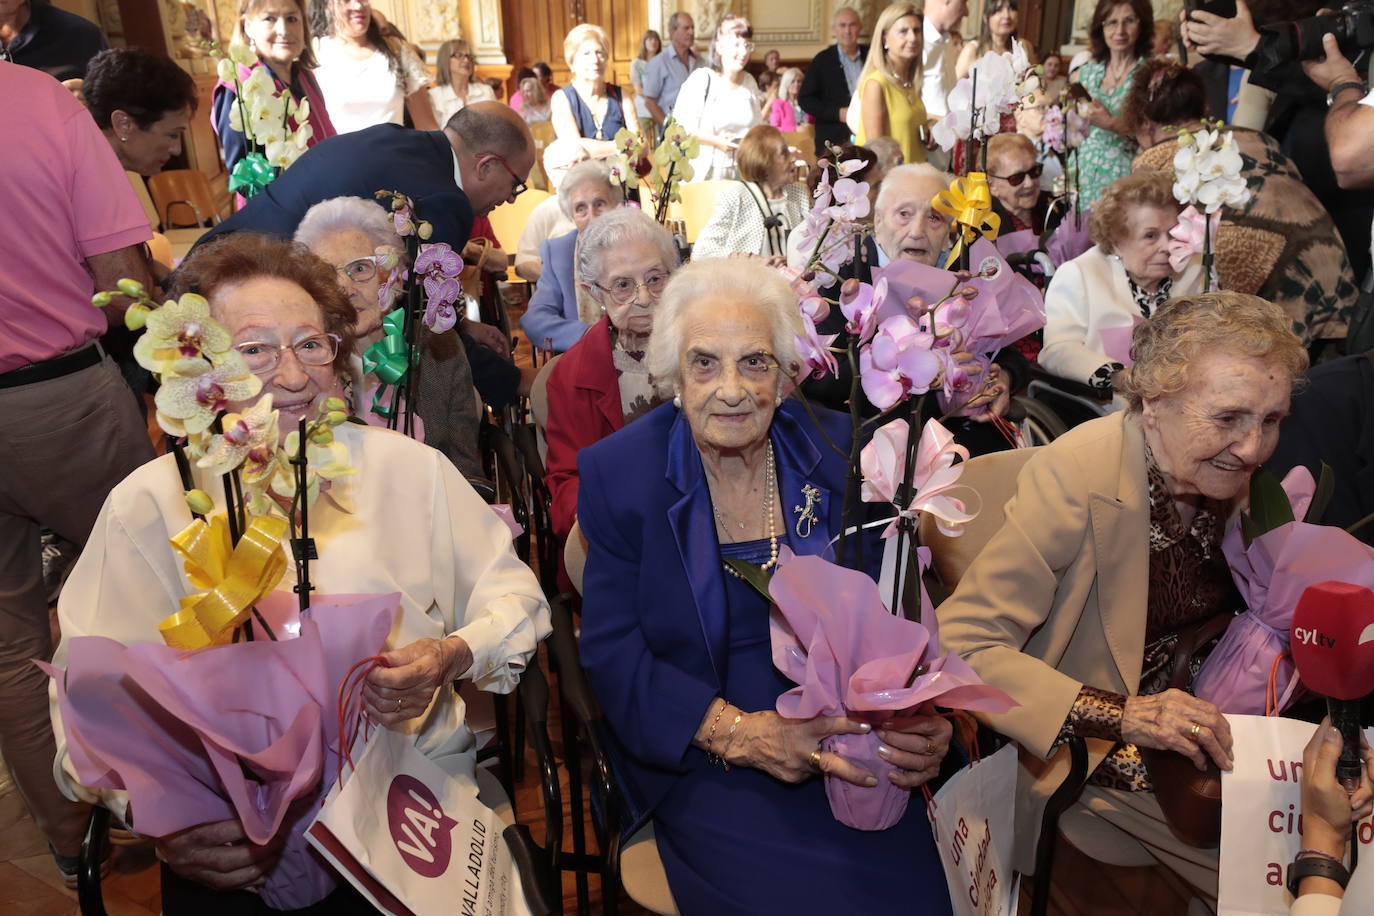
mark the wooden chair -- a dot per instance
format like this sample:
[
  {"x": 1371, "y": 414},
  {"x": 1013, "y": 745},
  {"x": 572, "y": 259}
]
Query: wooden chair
[
  {"x": 804, "y": 140},
  {"x": 508, "y": 220},
  {"x": 141, "y": 192},
  {"x": 184, "y": 197},
  {"x": 698, "y": 203},
  {"x": 543, "y": 136},
  {"x": 161, "y": 250},
  {"x": 539, "y": 406}
]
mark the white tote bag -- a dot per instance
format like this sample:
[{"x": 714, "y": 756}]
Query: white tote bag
[
  {"x": 853, "y": 117},
  {"x": 974, "y": 819},
  {"x": 413, "y": 839},
  {"x": 1261, "y": 800}
]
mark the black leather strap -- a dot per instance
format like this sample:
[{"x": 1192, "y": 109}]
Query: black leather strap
[{"x": 1315, "y": 867}]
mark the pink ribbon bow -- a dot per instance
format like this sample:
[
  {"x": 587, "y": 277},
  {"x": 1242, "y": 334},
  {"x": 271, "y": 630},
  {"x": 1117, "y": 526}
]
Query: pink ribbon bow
[{"x": 883, "y": 462}]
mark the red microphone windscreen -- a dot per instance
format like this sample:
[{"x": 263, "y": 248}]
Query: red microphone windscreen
[{"x": 1332, "y": 639}]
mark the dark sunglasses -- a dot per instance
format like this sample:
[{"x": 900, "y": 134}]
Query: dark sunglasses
[{"x": 1015, "y": 178}]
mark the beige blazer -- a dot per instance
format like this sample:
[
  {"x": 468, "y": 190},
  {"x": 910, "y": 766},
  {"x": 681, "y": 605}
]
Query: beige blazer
[{"x": 1033, "y": 616}]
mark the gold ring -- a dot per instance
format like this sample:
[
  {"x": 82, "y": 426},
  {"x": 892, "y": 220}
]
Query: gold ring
[
  {"x": 398, "y": 704},
  {"x": 1194, "y": 731},
  {"x": 815, "y": 759},
  {"x": 930, "y": 750}
]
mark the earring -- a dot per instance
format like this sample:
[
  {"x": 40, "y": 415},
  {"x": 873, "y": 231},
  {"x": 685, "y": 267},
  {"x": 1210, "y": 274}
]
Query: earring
[
  {"x": 123, "y": 139},
  {"x": 777, "y": 402},
  {"x": 677, "y": 401}
]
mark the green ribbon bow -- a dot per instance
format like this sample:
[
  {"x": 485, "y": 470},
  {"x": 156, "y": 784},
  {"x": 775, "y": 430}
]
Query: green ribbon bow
[
  {"x": 251, "y": 174},
  {"x": 387, "y": 359}
]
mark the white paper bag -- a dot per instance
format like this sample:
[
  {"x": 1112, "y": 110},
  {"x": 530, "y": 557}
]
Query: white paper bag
[
  {"x": 973, "y": 817},
  {"x": 413, "y": 839},
  {"x": 1261, "y": 800}
]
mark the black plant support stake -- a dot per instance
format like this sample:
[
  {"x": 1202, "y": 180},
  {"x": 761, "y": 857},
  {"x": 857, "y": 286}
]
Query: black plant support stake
[
  {"x": 906, "y": 526},
  {"x": 302, "y": 546}
]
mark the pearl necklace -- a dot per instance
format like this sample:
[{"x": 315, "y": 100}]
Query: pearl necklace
[{"x": 769, "y": 486}]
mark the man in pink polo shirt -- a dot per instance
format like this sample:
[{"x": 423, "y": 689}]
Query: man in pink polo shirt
[{"x": 68, "y": 429}]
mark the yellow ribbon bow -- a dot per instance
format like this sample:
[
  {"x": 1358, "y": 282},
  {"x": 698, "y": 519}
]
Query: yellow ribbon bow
[
  {"x": 969, "y": 203},
  {"x": 235, "y": 578}
]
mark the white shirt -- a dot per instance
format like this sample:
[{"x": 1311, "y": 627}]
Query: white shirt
[
  {"x": 406, "y": 522},
  {"x": 710, "y": 105},
  {"x": 447, "y": 104},
  {"x": 938, "y": 56},
  {"x": 546, "y": 221},
  {"x": 364, "y": 93}
]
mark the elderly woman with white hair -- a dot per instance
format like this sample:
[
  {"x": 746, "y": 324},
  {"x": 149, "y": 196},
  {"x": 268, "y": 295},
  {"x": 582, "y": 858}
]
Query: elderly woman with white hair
[
  {"x": 677, "y": 648},
  {"x": 553, "y": 321},
  {"x": 623, "y": 262},
  {"x": 357, "y": 238}
]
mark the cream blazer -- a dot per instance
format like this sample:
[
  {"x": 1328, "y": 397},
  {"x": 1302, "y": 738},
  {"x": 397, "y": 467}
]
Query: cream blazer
[
  {"x": 1057, "y": 598},
  {"x": 1087, "y": 294}
]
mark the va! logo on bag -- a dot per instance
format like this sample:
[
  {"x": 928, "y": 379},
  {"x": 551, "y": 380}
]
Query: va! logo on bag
[{"x": 419, "y": 827}]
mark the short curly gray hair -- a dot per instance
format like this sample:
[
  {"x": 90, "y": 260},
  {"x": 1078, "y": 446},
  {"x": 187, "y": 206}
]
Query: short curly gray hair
[
  {"x": 617, "y": 229},
  {"x": 588, "y": 171},
  {"x": 752, "y": 282},
  {"x": 348, "y": 214},
  {"x": 1230, "y": 322}
]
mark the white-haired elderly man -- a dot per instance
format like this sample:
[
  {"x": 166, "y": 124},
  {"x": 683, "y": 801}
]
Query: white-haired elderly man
[
  {"x": 906, "y": 225},
  {"x": 552, "y": 321}
]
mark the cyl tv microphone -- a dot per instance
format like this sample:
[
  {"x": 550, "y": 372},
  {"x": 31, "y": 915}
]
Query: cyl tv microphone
[{"x": 1332, "y": 641}]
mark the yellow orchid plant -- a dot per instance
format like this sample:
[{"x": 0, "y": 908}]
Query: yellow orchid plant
[{"x": 661, "y": 170}]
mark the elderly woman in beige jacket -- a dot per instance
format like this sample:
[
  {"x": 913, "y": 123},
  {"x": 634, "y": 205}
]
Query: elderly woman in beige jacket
[
  {"x": 1123, "y": 278},
  {"x": 1111, "y": 548}
]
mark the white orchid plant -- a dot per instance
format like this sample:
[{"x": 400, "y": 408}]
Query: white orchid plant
[
  {"x": 997, "y": 84},
  {"x": 275, "y": 126},
  {"x": 1207, "y": 176}
]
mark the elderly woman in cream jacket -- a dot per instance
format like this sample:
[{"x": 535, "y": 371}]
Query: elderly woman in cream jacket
[{"x": 1094, "y": 300}]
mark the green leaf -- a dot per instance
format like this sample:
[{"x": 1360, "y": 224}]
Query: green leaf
[
  {"x": 754, "y": 575},
  {"x": 1269, "y": 506},
  {"x": 1326, "y": 485}
]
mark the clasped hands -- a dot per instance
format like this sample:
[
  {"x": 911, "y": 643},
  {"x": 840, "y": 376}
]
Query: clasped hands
[{"x": 785, "y": 748}]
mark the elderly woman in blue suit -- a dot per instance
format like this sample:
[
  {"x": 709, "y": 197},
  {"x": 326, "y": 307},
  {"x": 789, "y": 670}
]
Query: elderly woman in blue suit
[{"x": 677, "y": 648}]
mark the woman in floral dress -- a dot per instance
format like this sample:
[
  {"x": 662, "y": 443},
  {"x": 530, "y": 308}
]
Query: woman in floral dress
[{"x": 1120, "y": 34}]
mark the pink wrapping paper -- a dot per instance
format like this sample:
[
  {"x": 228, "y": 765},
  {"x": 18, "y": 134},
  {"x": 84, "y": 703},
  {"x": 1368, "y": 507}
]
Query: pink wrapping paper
[
  {"x": 179, "y": 731},
  {"x": 1271, "y": 575},
  {"x": 1116, "y": 342},
  {"x": 834, "y": 637}
]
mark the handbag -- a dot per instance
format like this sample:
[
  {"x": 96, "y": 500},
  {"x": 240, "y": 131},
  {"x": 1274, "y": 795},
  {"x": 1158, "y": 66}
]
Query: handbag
[
  {"x": 1190, "y": 798},
  {"x": 853, "y": 117},
  {"x": 471, "y": 277}
]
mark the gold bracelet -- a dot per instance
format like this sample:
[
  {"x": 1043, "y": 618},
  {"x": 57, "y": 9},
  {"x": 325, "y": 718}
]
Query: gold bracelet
[
  {"x": 710, "y": 735},
  {"x": 728, "y": 736}
]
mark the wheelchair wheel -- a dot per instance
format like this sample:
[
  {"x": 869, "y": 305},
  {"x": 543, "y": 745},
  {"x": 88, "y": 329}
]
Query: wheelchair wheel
[{"x": 1039, "y": 425}]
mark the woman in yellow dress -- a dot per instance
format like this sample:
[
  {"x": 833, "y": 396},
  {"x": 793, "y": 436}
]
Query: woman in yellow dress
[{"x": 890, "y": 87}]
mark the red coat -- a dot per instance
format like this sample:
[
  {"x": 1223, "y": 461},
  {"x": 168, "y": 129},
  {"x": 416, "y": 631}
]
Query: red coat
[{"x": 584, "y": 407}]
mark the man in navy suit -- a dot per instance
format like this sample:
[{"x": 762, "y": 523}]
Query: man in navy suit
[
  {"x": 480, "y": 159},
  {"x": 830, "y": 80}
]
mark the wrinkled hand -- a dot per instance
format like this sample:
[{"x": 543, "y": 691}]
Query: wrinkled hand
[
  {"x": 916, "y": 745},
  {"x": 402, "y": 687},
  {"x": 1165, "y": 721},
  {"x": 1209, "y": 33},
  {"x": 1327, "y": 812},
  {"x": 782, "y": 747},
  {"x": 488, "y": 336},
  {"x": 995, "y": 397},
  {"x": 219, "y": 856},
  {"x": 1331, "y": 69}
]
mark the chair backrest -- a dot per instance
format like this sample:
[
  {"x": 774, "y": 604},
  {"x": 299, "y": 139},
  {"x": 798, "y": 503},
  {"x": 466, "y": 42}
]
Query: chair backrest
[
  {"x": 575, "y": 556},
  {"x": 542, "y": 132},
  {"x": 161, "y": 249},
  {"x": 804, "y": 141},
  {"x": 141, "y": 192},
  {"x": 993, "y": 477},
  {"x": 539, "y": 405},
  {"x": 508, "y": 220},
  {"x": 183, "y": 197},
  {"x": 698, "y": 203}
]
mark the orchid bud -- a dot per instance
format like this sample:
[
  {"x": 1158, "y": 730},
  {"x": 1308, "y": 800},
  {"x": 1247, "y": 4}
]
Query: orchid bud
[
  {"x": 969, "y": 292},
  {"x": 916, "y": 306},
  {"x": 136, "y": 317},
  {"x": 132, "y": 288},
  {"x": 333, "y": 404},
  {"x": 849, "y": 290},
  {"x": 425, "y": 230},
  {"x": 322, "y": 435},
  {"x": 225, "y": 69},
  {"x": 396, "y": 203},
  {"x": 336, "y": 417},
  {"x": 199, "y": 502},
  {"x": 102, "y": 299}
]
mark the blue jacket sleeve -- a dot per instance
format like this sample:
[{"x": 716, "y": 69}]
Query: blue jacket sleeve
[
  {"x": 654, "y": 706},
  {"x": 549, "y": 316},
  {"x": 231, "y": 141}
]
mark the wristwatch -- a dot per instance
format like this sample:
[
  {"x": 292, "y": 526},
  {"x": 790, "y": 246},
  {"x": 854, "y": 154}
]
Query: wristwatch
[
  {"x": 1314, "y": 867},
  {"x": 1344, "y": 85}
]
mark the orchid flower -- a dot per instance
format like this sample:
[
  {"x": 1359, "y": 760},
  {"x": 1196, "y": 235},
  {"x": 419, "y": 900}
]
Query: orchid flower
[
  {"x": 901, "y": 360},
  {"x": 188, "y": 403},
  {"x": 253, "y": 431},
  {"x": 883, "y": 462},
  {"x": 1053, "y": 133},
  {"x": 179, "y": 335},
  {"x": 860, "y": 307},
  {"x": 440, "y": 266},
  {"x": 325, "y": 462}
]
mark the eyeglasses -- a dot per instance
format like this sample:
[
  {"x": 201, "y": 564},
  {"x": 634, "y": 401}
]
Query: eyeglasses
[
  {"x": 262, "y": 357},
  {"x": 1015, "y": 178},
  {"x": 623, "y": 289},
  {"x": 518, "y": 185},
  {"x": 359, "y": 270}
]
